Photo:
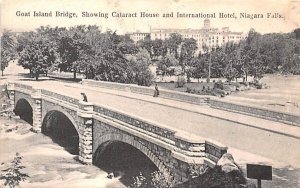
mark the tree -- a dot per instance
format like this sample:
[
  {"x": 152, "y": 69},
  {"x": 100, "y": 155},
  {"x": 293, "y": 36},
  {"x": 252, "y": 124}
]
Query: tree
[
  {"x": 37, "y": 54},
  {"x": 187, "y": 52},
  {"x": 199, "y": 65},
  {"x": 297, "y": 33},
  {"x": 127, "y": 46},
  {"x": 231, "y": 65},
  {"x": 158, "y": 48},
  {"x": 73, "y": 49},
  {"x": 165, "y": 64},
  {"x": 146, "y": 44},
  {"x": 138, "y": 70},
  {"x": 110, "y": 63},
  {"x": 13, "y": 175},
  {"x": 88, "y": 51},
  {"x": 53, "y": 36},
  {"x": 172, "y": 43},
  {"x": 8, "y": 49}
]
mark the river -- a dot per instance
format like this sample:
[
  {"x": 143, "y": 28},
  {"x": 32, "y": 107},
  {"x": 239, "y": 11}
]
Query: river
[{"x": 49, "y": 164}]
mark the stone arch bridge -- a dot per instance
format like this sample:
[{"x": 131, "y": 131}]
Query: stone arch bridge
[{"x": 174, "y": 153}]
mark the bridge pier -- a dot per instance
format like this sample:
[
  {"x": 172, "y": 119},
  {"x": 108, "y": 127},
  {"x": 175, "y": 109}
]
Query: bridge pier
[
  {"x": 85, "y": 129},
  {"x": 37, "y": 111},
  {"x": 11, "y": 96}
]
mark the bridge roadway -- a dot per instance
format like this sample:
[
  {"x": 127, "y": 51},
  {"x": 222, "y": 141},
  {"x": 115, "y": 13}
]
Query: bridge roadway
[{"x": 239, "y": 132}]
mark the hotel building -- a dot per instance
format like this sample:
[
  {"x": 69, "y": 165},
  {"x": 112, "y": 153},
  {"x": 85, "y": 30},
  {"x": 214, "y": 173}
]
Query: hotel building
[{"x": 206, "y": 36}]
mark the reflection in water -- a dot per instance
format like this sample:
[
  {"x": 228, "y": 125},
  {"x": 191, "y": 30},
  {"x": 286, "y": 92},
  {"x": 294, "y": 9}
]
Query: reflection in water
[{"x": 123, "y": 160}]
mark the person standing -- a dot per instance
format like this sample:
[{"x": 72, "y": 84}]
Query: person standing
[
  {"x": 84, "y": 97},
  {"x": 156, "y": 91}
]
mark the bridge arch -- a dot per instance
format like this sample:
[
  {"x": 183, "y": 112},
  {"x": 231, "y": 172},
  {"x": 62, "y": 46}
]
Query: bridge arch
[
  {"x": 24, "y": 109},
  {"x": 51, "y": 108},
  {"x": 110, "y": 138},
  {"x": 61, "y": 128}
]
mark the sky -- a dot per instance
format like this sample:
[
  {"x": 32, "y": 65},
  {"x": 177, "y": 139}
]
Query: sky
[{"x": 289, "y": 11}]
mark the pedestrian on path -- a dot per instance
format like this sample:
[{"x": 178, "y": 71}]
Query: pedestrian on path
[
  {"x": 84, "y": 97},
  {"x": 156, "y": 91}
]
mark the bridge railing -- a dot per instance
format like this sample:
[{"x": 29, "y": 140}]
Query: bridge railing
[
  {"x": 164, "y": 93},
  {"x": 135, "y": 121},
  {"x": 103, "y": 84},
  {"x": 60, "y": 97},
  {"x": 24, "y": 87},
  {"x": 214, "y": 150},
  {"x": 256, "y": 111}
]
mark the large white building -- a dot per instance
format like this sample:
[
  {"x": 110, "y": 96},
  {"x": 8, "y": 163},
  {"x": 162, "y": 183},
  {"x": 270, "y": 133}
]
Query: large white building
[
  {"x": 136, "y": 36},
  {"x": 206, "y": 36}
]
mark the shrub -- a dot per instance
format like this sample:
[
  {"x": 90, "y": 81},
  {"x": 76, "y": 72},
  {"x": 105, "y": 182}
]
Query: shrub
[
  {"x": 13, "y": 175},
  {"x": 180, "y": 81},
  {"x": 219, "y": 85},
  {"x": 144, "y": 78},
  {"x": 215, "y": 177},
  {"x": 188, "y": 90},
  {"x": 139, "y": 181},
  {"x": 158, "y": 180}
]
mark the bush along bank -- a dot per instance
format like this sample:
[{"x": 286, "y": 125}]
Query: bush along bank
[{"x": 222, "y": 89}]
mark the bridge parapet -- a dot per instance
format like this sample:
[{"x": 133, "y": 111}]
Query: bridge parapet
[
  {"x": 256, "y": 111},
  {"x": 214, "y": 150},
  {"x": 22, "y": 86},
  {"x": 136, "y": 122},
  {"x": 169, "y": 94},
  {"x": 60, "y": 96}
]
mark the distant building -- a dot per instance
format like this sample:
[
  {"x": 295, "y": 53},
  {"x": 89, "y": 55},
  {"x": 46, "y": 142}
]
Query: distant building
[
  {"x": 136, "y": 36},
  {"x": 206, "y": 36}
]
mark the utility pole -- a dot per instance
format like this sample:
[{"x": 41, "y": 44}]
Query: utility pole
[{"x": 209, "y": 67}]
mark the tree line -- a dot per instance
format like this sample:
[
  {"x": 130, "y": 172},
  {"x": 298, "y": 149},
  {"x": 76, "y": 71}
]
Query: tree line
[
  {"x": 108, "y": 56},
  {"x": 80, "y": 49},
  {"x": 254, "y": 56}
]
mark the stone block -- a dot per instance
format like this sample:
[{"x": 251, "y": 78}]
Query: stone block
[
  {"x": 86, "y": 152},
  {"x": 87, "y": 142},
  {"x": 89, "y": 147}
]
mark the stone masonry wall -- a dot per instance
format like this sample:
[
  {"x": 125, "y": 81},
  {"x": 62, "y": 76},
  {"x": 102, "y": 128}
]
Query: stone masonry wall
[
  {"x": 37, "y": 115},
  {"x": 256, "y": 111},
  {"x": 86, "y": 140},
  {"x": 175, "y": 170},
  {"x": 190, "y": 98},
  {"x": 160, "y": 156}
]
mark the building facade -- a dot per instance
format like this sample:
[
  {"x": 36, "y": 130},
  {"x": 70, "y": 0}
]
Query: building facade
[
  {"x": 136, "y": 36},
  {"x": 206, "y": 37}
]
